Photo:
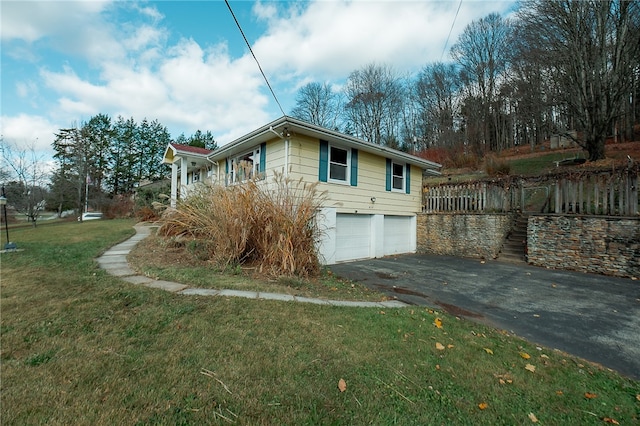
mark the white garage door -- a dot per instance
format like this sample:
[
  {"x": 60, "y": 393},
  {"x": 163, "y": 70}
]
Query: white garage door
[
  {"x": 353, "y": 237},
  {"x": 398, "y": 232}
]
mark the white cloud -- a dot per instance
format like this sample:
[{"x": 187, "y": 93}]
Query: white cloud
[
  {"x": 142, "y": 37},
  {"x": 69, "y": 21},
  {"x": 184, "y": 87},
  {"x": 264, "y": 11},
  {"x": 28, "y": 131},
  {"x": 331, "y": 39},
  {"x": 78, "y": 28},
  {"x": 148, "y": 11},
  {"x": 27, "y": 89}
]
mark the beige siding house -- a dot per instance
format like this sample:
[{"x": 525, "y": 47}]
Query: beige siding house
[{"x": 373, "y": 192}]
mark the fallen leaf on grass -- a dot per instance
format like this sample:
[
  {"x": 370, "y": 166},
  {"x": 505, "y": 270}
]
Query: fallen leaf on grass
[
  {"x": 437, "y": 322},
  {"x": 530, "y": 367},
  {"x": 590, "y": 395},
  {"x": 504, "y": 379},
  {"x": 525, "y": 355},
  {"x": 533, "y": 418},
  {"x": 449, "y": 346},
  {"x": 610, "y": 420},
  {"x": 559, "y": 393},
  {"x": 342, "y": 385},
  {"x": 489, "y": 351},
  {"x": 439, "y": 346},
  {"x": 638, "y": 397},
  {"x": 483, "y": 405}
]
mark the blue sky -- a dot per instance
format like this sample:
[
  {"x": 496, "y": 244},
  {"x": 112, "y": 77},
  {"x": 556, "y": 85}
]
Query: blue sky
[{"x": 185, "y": 63}]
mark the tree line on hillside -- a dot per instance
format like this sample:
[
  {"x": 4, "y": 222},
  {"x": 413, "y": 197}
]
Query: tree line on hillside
[{"x": 556, "y": 66}]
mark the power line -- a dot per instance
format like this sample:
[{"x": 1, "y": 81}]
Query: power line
[
  {"x": 444, "y": 49},
  {"x": 254, "y": 57}
]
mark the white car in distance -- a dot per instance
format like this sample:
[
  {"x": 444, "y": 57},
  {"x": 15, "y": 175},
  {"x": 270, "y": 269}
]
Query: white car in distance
[{"x": 90, "y": 216}]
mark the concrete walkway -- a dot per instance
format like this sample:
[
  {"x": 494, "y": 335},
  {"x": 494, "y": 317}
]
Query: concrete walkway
[{"x": 114, "y": 262}]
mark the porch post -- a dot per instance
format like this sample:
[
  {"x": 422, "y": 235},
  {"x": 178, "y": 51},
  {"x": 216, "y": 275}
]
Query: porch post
[
  {"x": 183, "y": 177},
  {"x": 174, "y": 184}
]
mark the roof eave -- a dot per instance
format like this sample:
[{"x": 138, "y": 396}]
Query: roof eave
[
  {"x": 178, "y": 153},
  {"x": 269, "y": 131}
]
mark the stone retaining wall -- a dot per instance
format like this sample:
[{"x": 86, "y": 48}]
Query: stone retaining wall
[
  {"x": 594, "y": 244},
  {"x": 462, "y": 234}
]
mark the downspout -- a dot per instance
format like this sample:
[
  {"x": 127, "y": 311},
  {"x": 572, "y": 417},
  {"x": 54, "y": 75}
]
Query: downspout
[
  {"x": 286, "y": 157},
  {"x": 215, "y": 163}
]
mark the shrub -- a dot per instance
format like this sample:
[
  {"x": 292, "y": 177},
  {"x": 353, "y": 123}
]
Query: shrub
[
  {"x": 121, "y": 206},
  {"x": 146, "y": 214},
  {"x": 459, "y": 158},
  {"x": 270, "y": 225},
  {"x": 150, "y": 200},
  {"x": 496, "y": 167},
  {"x": 437, "y": 154}
]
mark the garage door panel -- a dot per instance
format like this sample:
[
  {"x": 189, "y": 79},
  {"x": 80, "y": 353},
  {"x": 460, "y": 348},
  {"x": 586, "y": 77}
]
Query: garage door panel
[
  {"x": 353, "y": 237},
  {"x": 397, "y": 234}
]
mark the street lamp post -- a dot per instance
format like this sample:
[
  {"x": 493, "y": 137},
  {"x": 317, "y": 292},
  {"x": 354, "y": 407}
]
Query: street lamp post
[{"x": 3, "y": 202}]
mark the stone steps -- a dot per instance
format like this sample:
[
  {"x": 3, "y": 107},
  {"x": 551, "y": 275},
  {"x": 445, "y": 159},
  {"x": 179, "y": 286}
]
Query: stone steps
[{"x": 514, "y": 246}]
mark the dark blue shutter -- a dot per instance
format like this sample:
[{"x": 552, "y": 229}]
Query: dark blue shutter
[
  {"x": 323, "y": 167},
  {"x": 354, "y": 167},
  {"x": 263, "y": 157},
  {"x": 388, "y": 175},
  {"x": 407, "y": 179},
  {"x": 226, "y": 171}
]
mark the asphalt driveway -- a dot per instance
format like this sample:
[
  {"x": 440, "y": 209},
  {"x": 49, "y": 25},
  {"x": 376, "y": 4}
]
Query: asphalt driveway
[{"x": 592, "y": 316}]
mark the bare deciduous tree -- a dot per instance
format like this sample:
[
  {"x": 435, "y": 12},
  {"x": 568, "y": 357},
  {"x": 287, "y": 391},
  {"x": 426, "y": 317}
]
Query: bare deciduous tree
[
  {"x": 482, "y": 52},
  {"x": 437, "y": 89},
  {"x": 318, "y": 104},
  {"x": 26, "y": 185},
  {"x": 375, "y": 104},
  {"x": 593, "y": 46}
]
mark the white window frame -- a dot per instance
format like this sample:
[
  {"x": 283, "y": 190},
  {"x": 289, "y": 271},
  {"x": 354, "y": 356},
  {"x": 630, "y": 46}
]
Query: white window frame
[
  {"x": 394, "y": 176},
  {"x": 235, "y": 165},
  {"x": 347, "y": 175}
]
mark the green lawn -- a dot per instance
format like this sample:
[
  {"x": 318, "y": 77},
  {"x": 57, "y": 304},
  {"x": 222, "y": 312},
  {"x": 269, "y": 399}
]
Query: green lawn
[
  {"x": 539, "y": 165},
  {"x": 81, "y": 347},
  {"x": 155, "y": 258}
]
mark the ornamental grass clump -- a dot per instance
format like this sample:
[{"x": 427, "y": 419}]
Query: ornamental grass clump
[{"x": 268, "y": 225}]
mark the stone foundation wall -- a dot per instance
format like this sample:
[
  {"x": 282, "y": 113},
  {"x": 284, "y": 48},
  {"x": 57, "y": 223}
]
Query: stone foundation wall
[
  {"x": 593, "y": 244},
  {"x": 462, "y": 234}
]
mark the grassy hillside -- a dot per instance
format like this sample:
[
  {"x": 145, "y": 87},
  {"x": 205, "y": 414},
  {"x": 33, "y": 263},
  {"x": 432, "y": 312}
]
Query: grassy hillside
[{"x": 523, "y": 162}]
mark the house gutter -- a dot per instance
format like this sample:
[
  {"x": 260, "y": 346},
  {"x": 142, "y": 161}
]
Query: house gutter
[{"x": 217, "y": 164}]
